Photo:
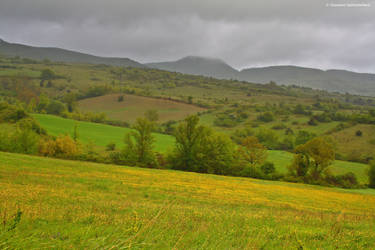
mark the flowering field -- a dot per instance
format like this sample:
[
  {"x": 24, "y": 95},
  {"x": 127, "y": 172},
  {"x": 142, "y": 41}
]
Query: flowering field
[{"x": 49, "y": 203}]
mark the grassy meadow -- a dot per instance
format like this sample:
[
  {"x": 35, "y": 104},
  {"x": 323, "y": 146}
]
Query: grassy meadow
[
  {"x": 65, "y": 204},
  {"x": 96, "y": 133}
]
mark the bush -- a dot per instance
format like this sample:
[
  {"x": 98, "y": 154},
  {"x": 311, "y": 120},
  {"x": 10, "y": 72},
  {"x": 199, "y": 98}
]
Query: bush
[
  {"x": 358, "y": 133},
  {"x": 348, "y": 180},
  {"x": 279, "y": 126},
  {"x": 371, "y": 175},
  {"x": 266, "y": 117},
  {"x": 23, "y": 141},
  {"x": 268, "y": 168},
  {"x": 111, "y": 146},
  {"x": 268, "y": 138},
  {"x": 55, "y": 107},
  {"x": 63, "y": 147}
]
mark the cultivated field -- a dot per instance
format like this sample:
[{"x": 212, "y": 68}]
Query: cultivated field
[
  {"x": 67, "y": 204},
  {"x": 133, "y": 107}
]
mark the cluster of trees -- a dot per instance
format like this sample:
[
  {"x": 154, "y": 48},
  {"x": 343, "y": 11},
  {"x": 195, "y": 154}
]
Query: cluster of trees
[
  {"x": 200, "y": 149},
  {"x": 271, "y": 140},
  {"x": 311, "y": 162}
]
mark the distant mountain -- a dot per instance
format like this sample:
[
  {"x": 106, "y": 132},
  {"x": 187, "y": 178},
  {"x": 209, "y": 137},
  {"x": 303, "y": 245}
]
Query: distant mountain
[
  {"x": 195, "y": 65},
  {"x": 331, "y": 80},
  {"x": 61, "y": 55}
]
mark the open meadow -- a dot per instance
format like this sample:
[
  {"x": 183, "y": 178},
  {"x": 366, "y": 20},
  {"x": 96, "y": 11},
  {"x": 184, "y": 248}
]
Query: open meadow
[
  {"x": 49, "y": 203},
  {"x": 96, "y": 133}
]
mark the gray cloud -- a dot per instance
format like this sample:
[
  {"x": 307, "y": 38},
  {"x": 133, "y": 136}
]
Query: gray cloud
[{"x": 244, "y": 33}]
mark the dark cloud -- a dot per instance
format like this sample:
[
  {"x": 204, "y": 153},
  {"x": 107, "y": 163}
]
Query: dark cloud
[{"x": 242, "y": 32}]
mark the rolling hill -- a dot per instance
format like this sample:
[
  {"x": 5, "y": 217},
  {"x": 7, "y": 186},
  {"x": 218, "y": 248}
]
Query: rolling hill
[{"x": 61, "y": 55}]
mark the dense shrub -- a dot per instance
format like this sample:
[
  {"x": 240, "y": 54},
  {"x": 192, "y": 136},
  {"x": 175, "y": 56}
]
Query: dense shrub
[
  {"x": 61, "y": 147},
  {"x": 348, "y": 180},
  {"x": 371, "y": 175},
  {"x": 268, "y": 138},
  {"x": 266, "y": 117},
  {"x": 24, "y": 141}
]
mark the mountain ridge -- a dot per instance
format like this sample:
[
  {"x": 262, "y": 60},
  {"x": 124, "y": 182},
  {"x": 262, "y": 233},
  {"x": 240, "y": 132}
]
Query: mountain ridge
[{"x": 62, "y": 55}]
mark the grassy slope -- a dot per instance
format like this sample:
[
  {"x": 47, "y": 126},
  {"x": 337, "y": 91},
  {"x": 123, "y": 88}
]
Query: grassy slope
[
  {"x": 135, "y": 106},
  {"x": 69, "y": 204},
  {"x": 99, "y": 134}
]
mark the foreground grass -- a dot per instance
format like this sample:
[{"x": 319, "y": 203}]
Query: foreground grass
[
  {"x": 99, "y": 134},
  {"x": 67, "y": 204}
]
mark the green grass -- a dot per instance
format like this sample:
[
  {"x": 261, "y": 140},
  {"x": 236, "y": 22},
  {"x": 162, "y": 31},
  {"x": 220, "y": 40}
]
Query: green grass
[
  {"x": 80, "y": 205},
  {"x": 99, "y": 134}
]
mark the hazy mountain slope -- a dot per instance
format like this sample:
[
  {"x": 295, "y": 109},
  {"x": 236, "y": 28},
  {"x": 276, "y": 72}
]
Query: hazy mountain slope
[
  {"x": 198, "y": 66},
  {"x": 331, "y": 80},
  {"x": 61, "y": 55}
]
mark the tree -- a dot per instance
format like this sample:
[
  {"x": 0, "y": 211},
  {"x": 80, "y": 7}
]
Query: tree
[
  {"x": 371, "y": 175},
  {"x": 190, "y": 99},
  {"x": 188, "y": 135},
  {"x": 55, "y": 107},
  {"x": 268, "y": 138},
  {"x": 268, "y": 168},
  {"x": 75, "y": 132},
  {"x": 313, "y": 157},
  {"x": 43, "y": 103},
  {"x": 47, "y": 74},
  {"x": 266, "y": 117},
  {"x": 199, "y": 149},
  {"x": 152, "y": 115},
  {"x": 139, "y": 144},
  {"x": 252, "y": 151},
  {"x": 303, "y": 137},
  {"x": 71, "y": 102}
]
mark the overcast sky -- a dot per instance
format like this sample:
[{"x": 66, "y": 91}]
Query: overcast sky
[{"x": 244, "y": 33}]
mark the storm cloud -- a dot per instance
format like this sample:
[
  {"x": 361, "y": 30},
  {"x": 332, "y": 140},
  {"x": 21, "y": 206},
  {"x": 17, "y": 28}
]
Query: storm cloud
[{"x": 244, "y": 33}]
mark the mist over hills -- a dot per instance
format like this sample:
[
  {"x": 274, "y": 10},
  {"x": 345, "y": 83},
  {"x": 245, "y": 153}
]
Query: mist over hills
[{"x": 331, "y": 80}]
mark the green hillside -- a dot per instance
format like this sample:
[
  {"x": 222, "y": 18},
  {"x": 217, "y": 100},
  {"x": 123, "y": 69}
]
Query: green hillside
[
  {"x": 65, "y": 204},
  {"x": 99, "y": 134}
]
